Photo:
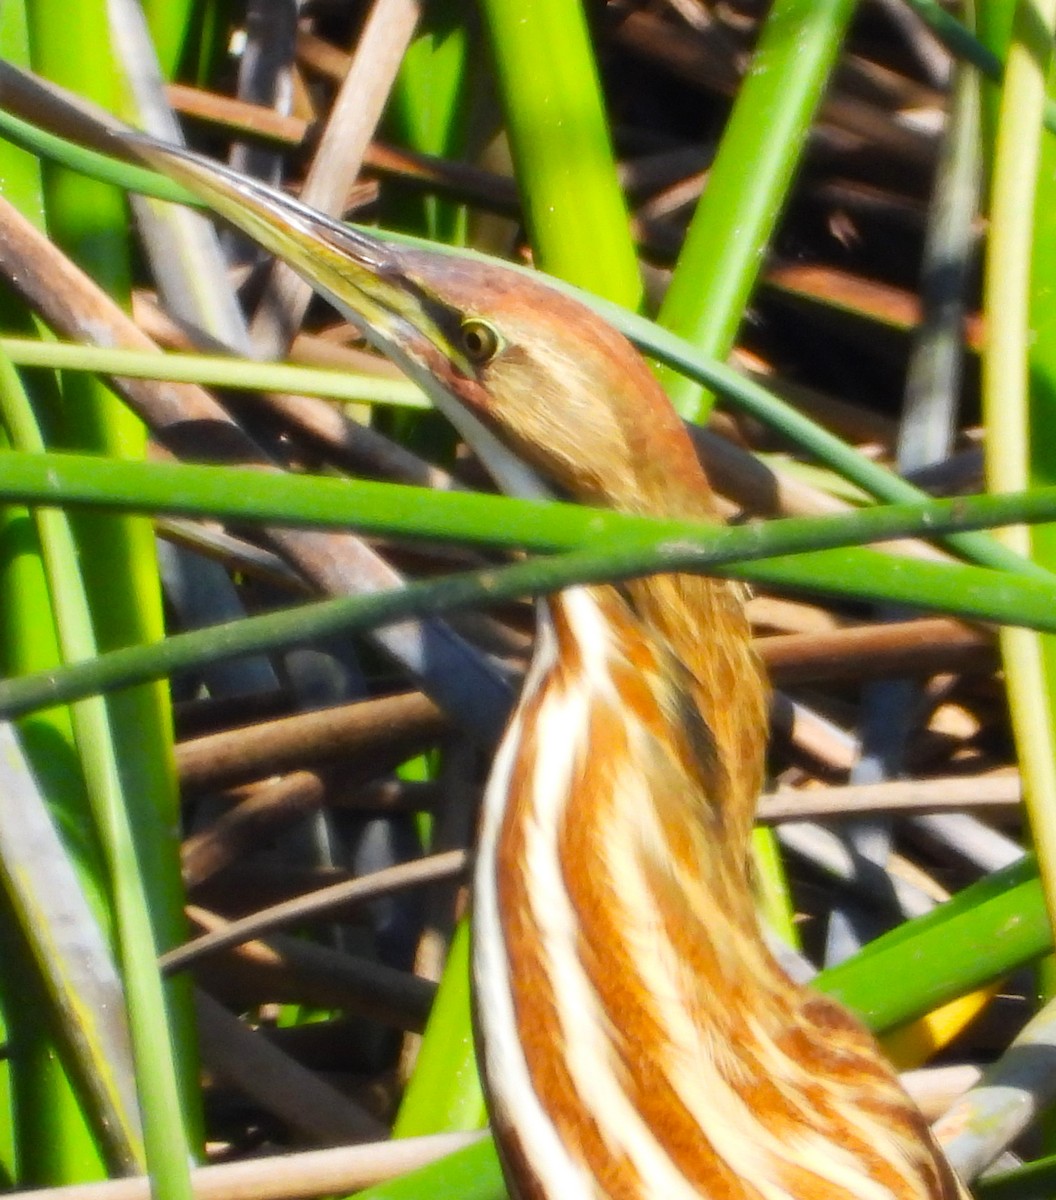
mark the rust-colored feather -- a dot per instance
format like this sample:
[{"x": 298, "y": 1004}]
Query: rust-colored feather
[{"x": 638, "y": 1039}]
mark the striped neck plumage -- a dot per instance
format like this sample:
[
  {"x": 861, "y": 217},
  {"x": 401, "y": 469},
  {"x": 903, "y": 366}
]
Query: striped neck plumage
[{"x": 637, "y": 1039}]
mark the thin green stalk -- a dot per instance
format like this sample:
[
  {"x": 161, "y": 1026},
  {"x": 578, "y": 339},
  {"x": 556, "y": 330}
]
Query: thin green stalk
[
  {"x": 772, "y": 894},
  {"x": 748, "y": 183},
  {"x": 1041, "y": 467},
  {"x": 170, "y": 22},
  {"x": 958, "y": 38},
  {"x": 210, "y": 370},
  {"x": 470, "y": 1174},
  {"x": 242, "y": 494},
  {"x": 1006, "y": 401},
  {"x": 128, "y": 756},
  {"x": 993, "y": 25},
  {"x": 982, "y": 598},
  {"x": 53, "y": 1138},
  {"x": 988, "y": 929},
  {"x": 640, "y": 547},
  {"x": 444, "y": 1093},
  {"x": 91, "y": 164},
  {"x": 95, "y": 745},
  {"x": 69, "y": 605},
  {"x": 1035, "y": 1181},
  {"x": 562, "y": 154},
  {"x": 74, "y": 964},
  {"x": 427, "y": 111}
]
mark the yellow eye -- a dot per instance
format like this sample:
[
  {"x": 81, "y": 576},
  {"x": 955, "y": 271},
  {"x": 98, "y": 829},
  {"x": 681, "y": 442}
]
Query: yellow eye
[{"x": 480, "y": 340}]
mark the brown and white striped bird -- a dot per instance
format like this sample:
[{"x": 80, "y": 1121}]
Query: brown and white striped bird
[
  {"x": 638, "y": 1041},
  {"x": 637, "y": 1038}
]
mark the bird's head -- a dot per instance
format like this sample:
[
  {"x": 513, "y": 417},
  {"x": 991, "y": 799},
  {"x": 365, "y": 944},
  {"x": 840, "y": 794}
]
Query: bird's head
[{"x": 551, "y": 397}]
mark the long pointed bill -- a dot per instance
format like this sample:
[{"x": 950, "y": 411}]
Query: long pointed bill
[
  {"x": 365, "y": 280},
  {"x": 383, "y": 290},
  {"x": 359, "y": 274}
]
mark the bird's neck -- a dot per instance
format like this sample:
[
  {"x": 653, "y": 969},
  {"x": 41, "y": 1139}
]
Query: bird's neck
[
  {"x": 600, "y": 908},
  {"x": 637, "y": 1038},
  {"x": 701, "y": 623}
]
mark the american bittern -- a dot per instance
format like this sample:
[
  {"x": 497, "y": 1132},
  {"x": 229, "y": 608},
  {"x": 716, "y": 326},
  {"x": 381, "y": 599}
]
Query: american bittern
[{"x": 637, "y": 1039}]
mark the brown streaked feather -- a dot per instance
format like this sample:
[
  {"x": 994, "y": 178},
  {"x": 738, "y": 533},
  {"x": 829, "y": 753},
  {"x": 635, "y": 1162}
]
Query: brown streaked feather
[
  {"x": 672, "y": 1056},
  {"x": 617, "y": 959}
]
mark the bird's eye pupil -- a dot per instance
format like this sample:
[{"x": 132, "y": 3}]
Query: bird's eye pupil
[{"x": 479, "y": 340}]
